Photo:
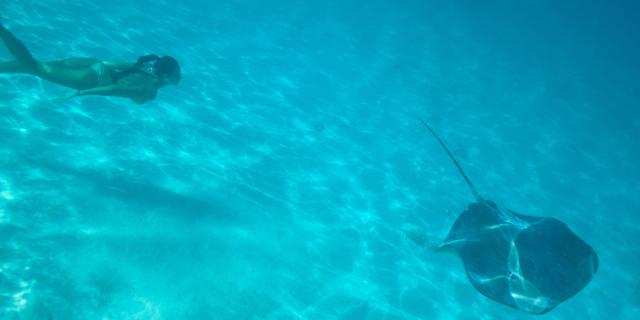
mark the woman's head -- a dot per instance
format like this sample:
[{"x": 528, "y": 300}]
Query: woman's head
[{"x": 168, "y": 69}]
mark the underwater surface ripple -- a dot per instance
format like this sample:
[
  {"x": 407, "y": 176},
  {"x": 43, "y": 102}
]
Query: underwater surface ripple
[{"x": 274, "y": 182}]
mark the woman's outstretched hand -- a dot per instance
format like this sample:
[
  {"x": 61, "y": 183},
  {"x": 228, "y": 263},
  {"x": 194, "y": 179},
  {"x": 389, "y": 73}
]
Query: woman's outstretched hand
[{"x": 66, "y": 95}]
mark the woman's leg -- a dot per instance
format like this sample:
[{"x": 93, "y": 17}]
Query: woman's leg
[
  {"x": 13, "y": 66},
  {"x": 77, "y": 73},
  {"x": 18, "y": 50},
  {"x": 74, "y": 63},
  {"x": 73, "y": 72}
]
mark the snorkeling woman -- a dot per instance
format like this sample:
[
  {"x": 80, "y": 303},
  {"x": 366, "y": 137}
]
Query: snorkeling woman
[{"x": 138, "y": 81}]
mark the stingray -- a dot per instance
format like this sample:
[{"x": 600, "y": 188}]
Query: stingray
[{"x": 526, "y": 262}]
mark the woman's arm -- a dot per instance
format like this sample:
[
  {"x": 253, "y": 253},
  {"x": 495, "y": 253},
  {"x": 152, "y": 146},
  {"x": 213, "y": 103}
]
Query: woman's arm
[
  {"x": 119, "y": 91},
  {"x": 136, "y": 93}
]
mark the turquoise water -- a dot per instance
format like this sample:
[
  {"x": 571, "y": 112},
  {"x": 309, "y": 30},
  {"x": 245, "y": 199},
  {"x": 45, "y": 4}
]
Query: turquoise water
[{"x": 278, "y": 179}]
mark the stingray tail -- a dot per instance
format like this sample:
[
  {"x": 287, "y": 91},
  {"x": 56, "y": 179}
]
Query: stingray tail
[{"x": 464, "y": 175}]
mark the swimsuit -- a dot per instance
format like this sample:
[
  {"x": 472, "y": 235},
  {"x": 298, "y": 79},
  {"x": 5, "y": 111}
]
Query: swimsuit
[{"x": 104, "y": 79}]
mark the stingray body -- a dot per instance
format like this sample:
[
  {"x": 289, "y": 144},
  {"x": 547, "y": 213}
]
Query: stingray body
[{"x": 526, "y": 262}]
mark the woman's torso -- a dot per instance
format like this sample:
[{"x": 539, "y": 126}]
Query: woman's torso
[{"x": 109, "y": 75}]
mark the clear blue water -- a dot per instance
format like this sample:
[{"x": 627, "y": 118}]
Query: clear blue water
[{"x": 276, "y": 180}]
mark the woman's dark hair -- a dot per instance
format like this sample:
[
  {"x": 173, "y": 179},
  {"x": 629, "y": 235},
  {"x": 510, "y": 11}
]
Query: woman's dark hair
[
  {"x": 162, "y": 66},
  {"x": 167, "y": 65}
]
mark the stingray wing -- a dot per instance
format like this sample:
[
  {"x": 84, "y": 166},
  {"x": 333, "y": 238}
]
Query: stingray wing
[{"x": 529, "y": 263}]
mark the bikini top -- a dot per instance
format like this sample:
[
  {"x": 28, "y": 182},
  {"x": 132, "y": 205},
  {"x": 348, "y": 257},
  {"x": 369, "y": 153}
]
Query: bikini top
[{"x": 145, "y": 64}]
